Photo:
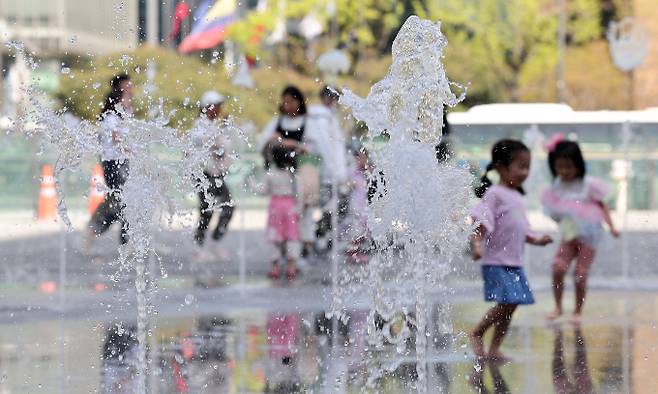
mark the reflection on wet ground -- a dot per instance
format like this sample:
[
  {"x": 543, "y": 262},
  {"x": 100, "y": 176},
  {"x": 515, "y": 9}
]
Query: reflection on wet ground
[{"x": 614, "y": 351}]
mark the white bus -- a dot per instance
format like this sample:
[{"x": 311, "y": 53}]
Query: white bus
[{"x": 605, "y": 136}]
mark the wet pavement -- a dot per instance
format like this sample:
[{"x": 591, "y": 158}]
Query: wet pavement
[
  {"x": 286, "y": 346},
  {"x": 219, "y": 327}
]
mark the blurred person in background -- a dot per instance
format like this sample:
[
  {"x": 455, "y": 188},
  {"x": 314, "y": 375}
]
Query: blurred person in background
[
  {"x": 114, "y": 159},
  {"x": 576, "y": 201},
  {"x": 282, "y": 184},
  {"x": 209, "y": 134},
  {"x": 324, "y": 122},
  {"x": 289, "y": 132},
  {"x": 119, "y": 369},
  {"x": 444, "y": 151},
  {"x": 355, "y": 227}
]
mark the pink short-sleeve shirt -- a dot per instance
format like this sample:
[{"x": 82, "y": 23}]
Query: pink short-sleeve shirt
[
  {"x": 502, "y": 214},
  {"x": 580, "y": 199}
]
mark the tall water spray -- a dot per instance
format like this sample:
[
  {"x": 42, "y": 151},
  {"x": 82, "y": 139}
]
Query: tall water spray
[
  {"x": 162, "y": 163},
  {"x": 417, "y": 219}
]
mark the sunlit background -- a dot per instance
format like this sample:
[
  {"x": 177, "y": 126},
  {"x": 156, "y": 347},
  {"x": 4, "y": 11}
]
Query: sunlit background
[{"x": 530, "y": 69}]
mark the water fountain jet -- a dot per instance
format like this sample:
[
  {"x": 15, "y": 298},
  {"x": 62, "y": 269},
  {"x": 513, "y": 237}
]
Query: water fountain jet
[{"x": 417, "y": 220}]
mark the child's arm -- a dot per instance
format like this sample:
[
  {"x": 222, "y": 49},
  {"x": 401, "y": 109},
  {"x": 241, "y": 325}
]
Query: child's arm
[
  {"x": 262, "y": 188},
  {"x": 538, "y": 241},
  {"x": 476, "y": 242},
  {"x": 608, "y": 219}
]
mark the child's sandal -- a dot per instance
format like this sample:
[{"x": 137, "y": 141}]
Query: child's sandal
[
  {"x": 291, "y": 273},
  {"x": 275, "y": 273}
]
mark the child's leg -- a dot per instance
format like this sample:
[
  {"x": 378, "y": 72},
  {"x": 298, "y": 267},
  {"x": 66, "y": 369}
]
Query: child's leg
[
  {"x": 493, "y": 316},
  {"x": 293, "y": 251},
  {"x": 500, "y": 330},
  {"x": 276, "y": 271},
  {"x": 565, "y": 253},
  {"x": 205, "y": 214},
  {"x": 223, "y": 198},
  {"x": 583, "y": 263},
  {"x": 306, "y": 227}
]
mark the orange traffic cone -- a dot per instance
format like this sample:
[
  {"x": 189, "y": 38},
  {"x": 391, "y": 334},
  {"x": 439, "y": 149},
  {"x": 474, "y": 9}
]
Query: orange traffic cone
[
  {"x": 47, "y": 206},
  {"x": 96, "y": 196}
]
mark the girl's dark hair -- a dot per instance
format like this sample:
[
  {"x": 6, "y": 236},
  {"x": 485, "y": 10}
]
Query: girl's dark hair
[
  {"x": 502, "y": 153},
  {"x": 567, "y": 150},
  {"x": 113, "y": 98},
  {"x": 284, "y": 159},
  {"x": 294, "y": 92}
]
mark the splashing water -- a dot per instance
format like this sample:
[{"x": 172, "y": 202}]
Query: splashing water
[
  {"x": 417, "y": 216},
  {"x": 150, "y": 190}
]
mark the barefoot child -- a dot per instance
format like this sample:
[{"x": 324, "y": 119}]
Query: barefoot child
[
  {"x": 575, "y": 202},
  {"x": 502, "y": 230}
]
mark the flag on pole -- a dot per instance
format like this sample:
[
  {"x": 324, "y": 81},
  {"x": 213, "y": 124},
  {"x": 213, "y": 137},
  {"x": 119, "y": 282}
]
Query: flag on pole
[
  {"x": 181, "y": 13},
  {"x": 211, "y": 20}
]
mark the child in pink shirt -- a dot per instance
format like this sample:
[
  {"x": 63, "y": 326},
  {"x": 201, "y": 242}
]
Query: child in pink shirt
[
  {"x": 498, "y": 241},
  {"x": 576, "y": 202}
]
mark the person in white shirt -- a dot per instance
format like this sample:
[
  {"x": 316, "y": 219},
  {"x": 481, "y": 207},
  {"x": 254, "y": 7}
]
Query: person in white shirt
[
  {"x": 208, "y": 134},
  {"x": 114, "y": 159},
  {"x": 323, "y": 120}
]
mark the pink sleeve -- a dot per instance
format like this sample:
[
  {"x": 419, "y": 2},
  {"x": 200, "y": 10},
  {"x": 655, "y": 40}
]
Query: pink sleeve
[
  {"x": 597, "y": 190},
  {"x": 484, "y": 212},
  {"x": 548, "y": 197},
  {"x": 551, "y": 201}
]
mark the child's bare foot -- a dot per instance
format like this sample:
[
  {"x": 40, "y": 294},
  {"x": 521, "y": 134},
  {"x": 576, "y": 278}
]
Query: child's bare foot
[
  {"x": 554, "y": 315},
  {"x": 576, "y": 319},
  {"x": 477, "y": 345}
]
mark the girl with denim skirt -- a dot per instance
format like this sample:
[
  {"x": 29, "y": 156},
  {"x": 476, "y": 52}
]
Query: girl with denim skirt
[{"x": 501, "y": 231}]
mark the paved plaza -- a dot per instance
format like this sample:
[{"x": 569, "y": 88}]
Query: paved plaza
[{"x": 52, "y": 337}]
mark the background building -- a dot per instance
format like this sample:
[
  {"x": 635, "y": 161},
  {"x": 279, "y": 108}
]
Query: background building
[{"x": 52, "y": 27}]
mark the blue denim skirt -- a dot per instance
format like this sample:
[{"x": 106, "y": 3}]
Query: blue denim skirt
[{"x": 506, "y": 285}]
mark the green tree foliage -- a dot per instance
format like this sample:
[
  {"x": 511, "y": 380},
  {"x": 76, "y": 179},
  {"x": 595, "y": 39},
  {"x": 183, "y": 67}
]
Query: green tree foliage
[
  {"x": 499, "y": 47},
  {"x": 180, "y": 81},
  {"x": 360, "y": 25},
  {"x": 584, "y": 21}
]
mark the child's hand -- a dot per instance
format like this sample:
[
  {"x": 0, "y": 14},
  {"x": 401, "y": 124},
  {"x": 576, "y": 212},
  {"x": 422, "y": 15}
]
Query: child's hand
[{"x": 615, "y": 233}]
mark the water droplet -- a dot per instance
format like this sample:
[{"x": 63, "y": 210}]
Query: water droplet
[{"x": 189, "y": 299}]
